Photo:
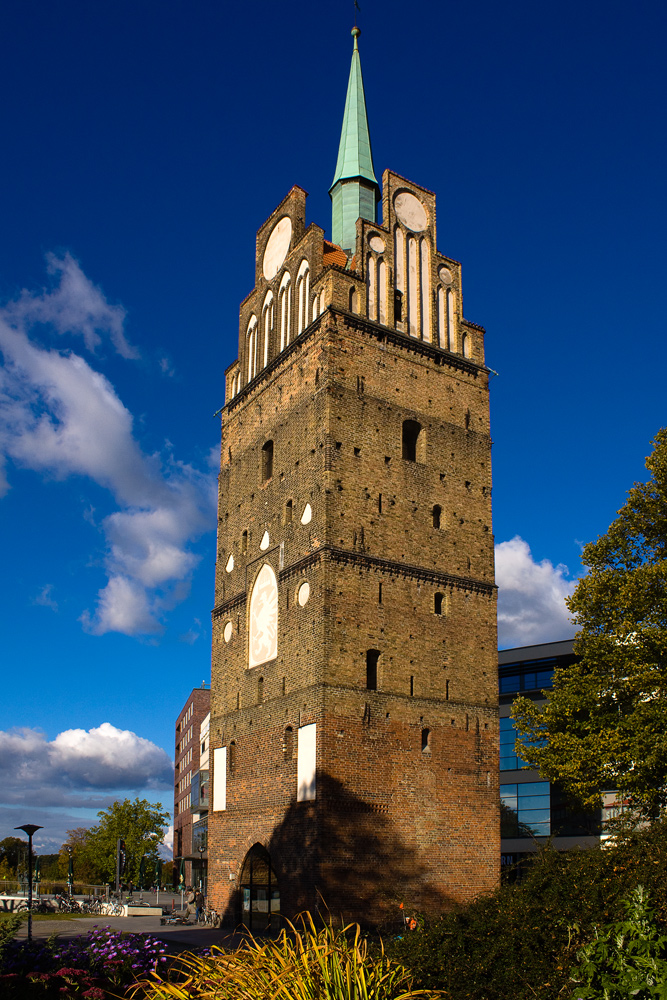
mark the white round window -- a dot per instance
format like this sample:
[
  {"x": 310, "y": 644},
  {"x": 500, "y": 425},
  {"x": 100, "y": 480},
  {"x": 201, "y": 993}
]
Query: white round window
[
  {"x": 303, "y": 593},
  {"x": 227, "y": 631}
]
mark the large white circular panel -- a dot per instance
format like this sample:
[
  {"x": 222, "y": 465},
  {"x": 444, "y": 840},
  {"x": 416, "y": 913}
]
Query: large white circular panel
[
  {"x": 277, "y": 247},
  {"x": 227, "y": 632},
  {"x": 410, "y": 211},
  {"x": 377, "y": 243},
  {"x": 446, "y": 276},
  {"x": 303, "y": 593}
]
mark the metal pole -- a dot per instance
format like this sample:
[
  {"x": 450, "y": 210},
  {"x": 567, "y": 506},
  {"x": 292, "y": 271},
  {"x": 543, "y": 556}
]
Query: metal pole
[{"x": 29, "y": 828}]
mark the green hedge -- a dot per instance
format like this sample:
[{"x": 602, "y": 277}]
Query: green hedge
[{"x": 521, "y": 941}]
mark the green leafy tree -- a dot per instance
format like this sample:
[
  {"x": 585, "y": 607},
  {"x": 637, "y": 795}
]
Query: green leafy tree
[
  {"x": 139, "y": 823},
  {"x": 604, "y": 725},
  {"x": 83, "y": 864},
  {"x": 14, "y": 853}
]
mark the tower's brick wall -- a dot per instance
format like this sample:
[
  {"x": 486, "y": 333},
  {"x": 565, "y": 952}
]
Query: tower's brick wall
[{"x": 407, "y": 781}]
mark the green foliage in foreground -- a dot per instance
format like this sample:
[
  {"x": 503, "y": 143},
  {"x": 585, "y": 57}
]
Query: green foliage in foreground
[
  {"x": 9, "y": 925},
  {"x": 305, "y": 964},
  {"x": 522, "y": 941},
  {"x": 625, "y": 958}
]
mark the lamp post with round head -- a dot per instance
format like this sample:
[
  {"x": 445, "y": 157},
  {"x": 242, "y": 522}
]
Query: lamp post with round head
[{"x": 30, "y": 829}]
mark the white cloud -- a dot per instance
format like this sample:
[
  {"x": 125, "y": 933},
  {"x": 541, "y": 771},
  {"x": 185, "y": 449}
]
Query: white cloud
[
  {"x": 60, "y": 417},
  {"x": 531, "y": 597},
  {"x": 45, "y": 599},
  {"x": 75, "y": 306},
  {"x": 79, "y": 767}
]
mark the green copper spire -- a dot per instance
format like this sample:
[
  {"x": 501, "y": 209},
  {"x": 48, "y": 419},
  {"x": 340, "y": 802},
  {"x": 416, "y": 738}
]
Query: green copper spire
[{"x": 355, "y": 191}]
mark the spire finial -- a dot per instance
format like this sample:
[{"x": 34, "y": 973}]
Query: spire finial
[{"x": 355, "y": 34}]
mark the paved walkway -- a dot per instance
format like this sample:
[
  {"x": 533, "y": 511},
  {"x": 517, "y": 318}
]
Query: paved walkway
[{"x": 178, "y": 937}]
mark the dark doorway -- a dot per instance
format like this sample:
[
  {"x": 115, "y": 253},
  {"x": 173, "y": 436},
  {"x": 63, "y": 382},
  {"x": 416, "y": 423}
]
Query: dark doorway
[{"x": 260, "y": 895}]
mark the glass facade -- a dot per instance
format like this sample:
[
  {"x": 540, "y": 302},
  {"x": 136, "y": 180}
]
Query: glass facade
[
  {"x": 525, "y": 677},
  {"x": 525, "y": 809},
  {"x": 508, "y": 758}
]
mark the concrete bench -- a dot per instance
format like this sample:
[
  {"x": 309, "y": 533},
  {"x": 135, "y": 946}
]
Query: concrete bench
[{"x": 141, "y": 911}]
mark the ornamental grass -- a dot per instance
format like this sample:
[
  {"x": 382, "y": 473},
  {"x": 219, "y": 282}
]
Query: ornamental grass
[{"x": 304, "y": 963}]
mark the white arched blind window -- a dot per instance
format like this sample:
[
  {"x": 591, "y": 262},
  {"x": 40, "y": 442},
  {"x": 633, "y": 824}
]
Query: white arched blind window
[
  {"x": 451, "y": 330},
  {"x": 413, "y": 294},
  {"x": 371, "y": 288},
  {"x": 267, "y": 324},
  {"x": 303, "y": 295},
  {"x": 251, "y": 348},
  {"x": 285, "y": 309},
  {"x": 425, "y": 276}
]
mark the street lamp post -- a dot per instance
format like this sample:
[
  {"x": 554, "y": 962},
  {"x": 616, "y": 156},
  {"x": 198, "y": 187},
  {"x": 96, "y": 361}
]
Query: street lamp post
[
  {"x": 201, "y": 866},
  {"x": 30, "y": 829}
]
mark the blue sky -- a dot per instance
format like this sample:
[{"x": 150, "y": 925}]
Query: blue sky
[{"x": 144, "y": 144}]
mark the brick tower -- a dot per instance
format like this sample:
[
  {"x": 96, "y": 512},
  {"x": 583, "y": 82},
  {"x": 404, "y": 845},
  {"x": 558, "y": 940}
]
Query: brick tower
[{"x": 354, "y": 690}]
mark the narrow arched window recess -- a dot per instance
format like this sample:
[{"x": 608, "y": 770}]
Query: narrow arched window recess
[
  {"x": 232, "y": 757},
  {"x": 438, "y": 604},
  {"x": 303, "y": 295},
  {"x": 260, "y": 690},
  {"x": 354, "y": 301},
  {"x": 288, "y": 512},
  {"x": 412, "y": 440},
  {"x": 465, "y": 345},
  {"x": 244, "y": 541},
  {"x": 288, "y": 743},
  {"x": 426, "y": 740},
  {"x": 437, "y": 516},
  {"x": 285, "y": 309},
  {"x": 372, "y": 657},
  {"x": 267, "y": 461}
]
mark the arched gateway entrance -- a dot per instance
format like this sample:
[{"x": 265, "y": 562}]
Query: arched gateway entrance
[{"x": 260, "y": 894}]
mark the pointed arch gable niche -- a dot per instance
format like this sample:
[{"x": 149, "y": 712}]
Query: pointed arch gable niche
[{"x": 263, "y": 618}]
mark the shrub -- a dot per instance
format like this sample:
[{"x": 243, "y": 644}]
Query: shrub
[
  {"x": 522, "y": 940},
  {"x": 302, "y": 964},
  {"x": 624, "y": 959}
]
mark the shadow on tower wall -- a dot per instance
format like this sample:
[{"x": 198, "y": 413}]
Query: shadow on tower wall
[{"x": 347, "y": 856}]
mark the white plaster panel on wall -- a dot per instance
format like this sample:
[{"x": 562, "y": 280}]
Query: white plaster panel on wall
[
  {"x": 263, "y": 638},
  {"x": 230, "y": 564},
  {"x": 410, "y": 211},
  {"x": 276, "y": 248},
  {"x": 306, "y": 763},
  {"x": 446, "y": 276},
  {"x": 303, "y": 593},
  {"x": 228, "y": 630},
  {"x": 413, "y": 295},
  {"x": 307, "y": 515},
  {"x": 264, "y": 544},
  {"x": 377, "y": 244},
  {"x": 219, "y": 779}
]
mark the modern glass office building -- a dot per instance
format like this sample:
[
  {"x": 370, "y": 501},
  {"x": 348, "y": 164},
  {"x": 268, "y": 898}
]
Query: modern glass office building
[{"x": 533, "y": 809}]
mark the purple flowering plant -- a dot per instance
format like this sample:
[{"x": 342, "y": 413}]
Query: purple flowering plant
[{"x": 84, "y": 967}]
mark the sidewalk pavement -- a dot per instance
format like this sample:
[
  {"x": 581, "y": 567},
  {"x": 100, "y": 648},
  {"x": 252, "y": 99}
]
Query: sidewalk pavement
[{"x": 177, "y": 937}]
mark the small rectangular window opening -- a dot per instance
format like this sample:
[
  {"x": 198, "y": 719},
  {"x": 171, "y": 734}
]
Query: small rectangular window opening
[
  {"x": 379, "y": 593},
  {"x": 357, "y": 452},
  {"x": 437, "y": 515},
  {"x": 267, "y": 461},
  {"x": 372, "y": 656},
  {"x": 288, "y": 512},
  {"x": 244, "y": 542},
  {"x": 412, "y": 686}
]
